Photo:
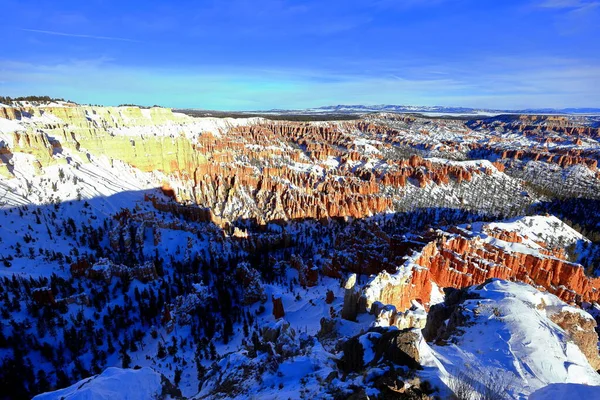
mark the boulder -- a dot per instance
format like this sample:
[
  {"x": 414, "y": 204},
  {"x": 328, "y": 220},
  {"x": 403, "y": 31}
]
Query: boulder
[{"x": 400, "y": 347}]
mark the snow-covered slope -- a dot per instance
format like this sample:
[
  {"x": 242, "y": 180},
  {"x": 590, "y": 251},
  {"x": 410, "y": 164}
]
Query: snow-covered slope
[
  {"x": 535, "y": 229},
  {"x": 112, "y": 384},
  {"x": 505, "y": 331},
  {"x": 566, "y": 391}
]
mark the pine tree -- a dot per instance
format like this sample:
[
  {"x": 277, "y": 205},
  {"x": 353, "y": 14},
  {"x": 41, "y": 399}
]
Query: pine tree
[
  {"x": 177, "y": 378},
  {"x": 125, "y": 358},
  {"x": 162, "y": 353}
]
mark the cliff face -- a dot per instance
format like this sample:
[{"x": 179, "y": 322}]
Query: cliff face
[
  {"x": 470, "y": 257},
  {"x": 399, "y": 290},
  {"x": 115, "y": 132},
  {"x": 287, "y": 170},
  {"x": 239, "y": 169},
  {"x": 460, "y": 262},
  {"x": 266, "y": 171},
  {"x": 104, "y": 117}
]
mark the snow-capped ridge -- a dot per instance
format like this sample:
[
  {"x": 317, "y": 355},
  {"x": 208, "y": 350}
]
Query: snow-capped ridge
[{"x": 509, "y": 332}]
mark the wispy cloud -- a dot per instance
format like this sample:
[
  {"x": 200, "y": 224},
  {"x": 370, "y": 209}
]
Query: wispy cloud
[
  {"x": 77, "y": 35},
  {"x": 573, "y": 16},
  {"x": 406, "y": 3},
  {"x": 577, "y": 4}
]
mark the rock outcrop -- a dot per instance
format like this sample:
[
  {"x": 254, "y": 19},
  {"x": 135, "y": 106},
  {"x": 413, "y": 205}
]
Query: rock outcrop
[
  {"x": 351, "y": 298},
  {"x": 104, "y": 269},
  {"x": 400, "y": 347},
  {"x": 582, "y": 330},
  {"x": 456, "y": 261},
  {"x": 464, "y": 258}
]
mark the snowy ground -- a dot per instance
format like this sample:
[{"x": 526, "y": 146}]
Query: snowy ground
[
  {"x": 113, "y": 383},
  {"x": 513, "y": 340}
]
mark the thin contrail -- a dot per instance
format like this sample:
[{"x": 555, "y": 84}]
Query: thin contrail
[{"x": 80, "y": 35}]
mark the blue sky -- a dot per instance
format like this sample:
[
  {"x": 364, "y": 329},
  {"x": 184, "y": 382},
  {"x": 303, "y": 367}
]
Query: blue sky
[{"x": 255, "y": 54}]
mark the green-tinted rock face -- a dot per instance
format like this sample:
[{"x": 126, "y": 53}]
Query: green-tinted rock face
[{"x": 47, "y": 131}]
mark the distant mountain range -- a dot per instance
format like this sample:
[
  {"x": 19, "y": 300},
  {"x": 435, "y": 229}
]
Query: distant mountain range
[{"x": 354, "y": 109}]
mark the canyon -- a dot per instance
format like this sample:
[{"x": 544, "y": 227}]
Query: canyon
[{"x": 225, "y": 252}]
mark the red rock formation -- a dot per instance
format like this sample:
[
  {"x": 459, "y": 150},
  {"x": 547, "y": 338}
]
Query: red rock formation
[
  {"x": 43, "y": 296},
  {"x": 582, "y": 331},
  {"x": 507, "y": 236},
  {"x": 253, "y": 288},
  {"x": 166, "y": 315},
  {"x": 460, "y": 262},
  {"x": 281, "y": 192},
  {"x": 168, "y": 191},
  {"x": 561, "y": 130},
  {"x": 401, "y": 296},
  {"x": 499, "y": 166},
  {"x": 561, "y": 157},
  {"x": 457, "y": 260}
]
